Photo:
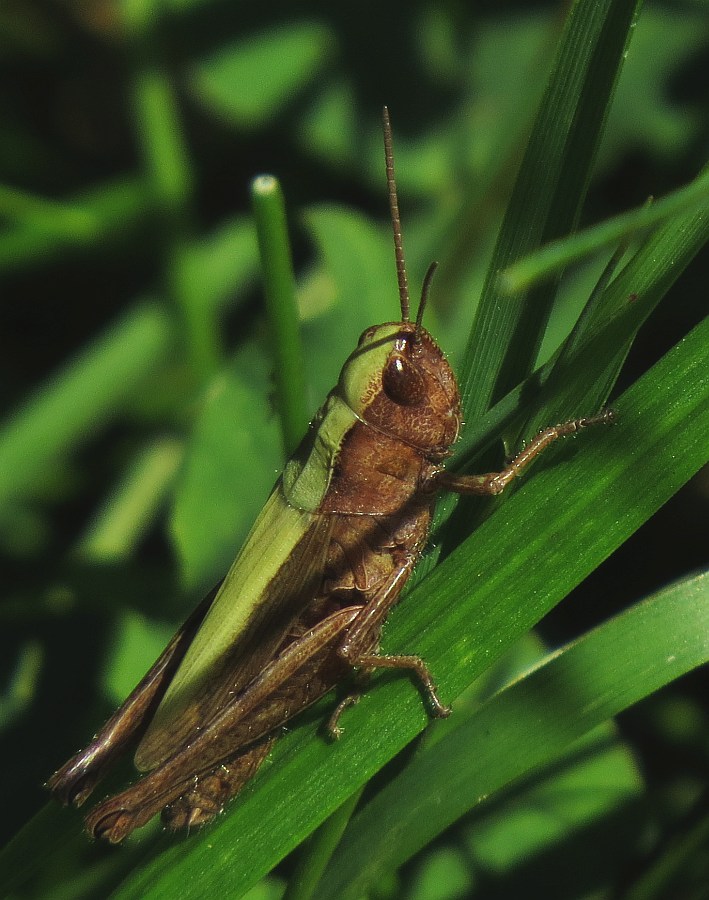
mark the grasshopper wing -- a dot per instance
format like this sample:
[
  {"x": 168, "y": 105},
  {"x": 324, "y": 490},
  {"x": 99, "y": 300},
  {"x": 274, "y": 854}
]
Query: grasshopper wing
[{"x": 277, "y": 573}]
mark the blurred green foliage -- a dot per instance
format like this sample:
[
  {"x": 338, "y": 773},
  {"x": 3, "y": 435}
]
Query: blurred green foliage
[{"x": 140, "y": 432}]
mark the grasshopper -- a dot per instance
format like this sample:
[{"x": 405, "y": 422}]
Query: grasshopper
[{"x": 295, "y": 617}]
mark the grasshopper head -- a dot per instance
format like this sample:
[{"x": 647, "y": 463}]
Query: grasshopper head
[{"x": 399, "y": 381}]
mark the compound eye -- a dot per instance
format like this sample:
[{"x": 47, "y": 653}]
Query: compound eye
[{"x": 402, "y": 382}]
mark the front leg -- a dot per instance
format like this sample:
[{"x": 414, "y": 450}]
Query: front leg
[{"x": 493, "y": 483}]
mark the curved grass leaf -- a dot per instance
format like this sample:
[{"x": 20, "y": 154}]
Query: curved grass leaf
[
  {"x": 558, "y": 254},
  {"x": 221, "y": 265},
  {"x": 127, "y": 513},
  {"x": 523, "y": 728},
  {"x": 43, "y": 215},
  {"x": 119, "y": 209}
]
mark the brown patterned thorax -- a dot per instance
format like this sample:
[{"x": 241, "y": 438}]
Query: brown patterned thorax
[
  {"x": 374, "y": 474},
  {"x": 407, "y": 414},
  {"x": 407, "y": 410}
]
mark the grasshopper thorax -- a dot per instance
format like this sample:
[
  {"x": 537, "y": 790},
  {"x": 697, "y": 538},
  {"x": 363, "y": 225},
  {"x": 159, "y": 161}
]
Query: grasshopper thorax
[{"x": 399, "y": 381}]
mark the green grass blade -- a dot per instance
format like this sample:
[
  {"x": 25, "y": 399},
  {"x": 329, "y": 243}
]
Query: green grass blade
[
  {"x": 581, "y": 382},
  {"x": 84, "y": 395},
  {"x": 620, "y": 312},
  {"x": 523, "y": 728},
  {"x": 318, "y": 849},
  {"x": 131, "y": 508},
  {"x": 557, "y": 254},
  {"x": 548, "y": 195},
  {"x": 279, "y": 291},
  {"x": 45, "y": 215},
  {"x": 119, "y": 209},
  {"x": 248, "y": 82},
  {"x": 221, "y": 266}
]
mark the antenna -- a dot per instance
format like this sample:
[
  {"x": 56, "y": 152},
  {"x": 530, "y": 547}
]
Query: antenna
[
  {"x": 425, "y": 288},
  {"x": 396, "y": 220}
]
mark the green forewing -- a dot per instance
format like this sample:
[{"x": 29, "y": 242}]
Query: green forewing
[
  {"x": 307, "y": 474},
  {"x": 272, "y": 579}
]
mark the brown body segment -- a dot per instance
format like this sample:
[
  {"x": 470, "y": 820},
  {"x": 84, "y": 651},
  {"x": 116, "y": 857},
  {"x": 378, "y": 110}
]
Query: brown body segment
[{"x": 327, "y": 603}]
